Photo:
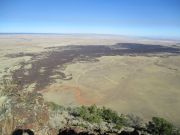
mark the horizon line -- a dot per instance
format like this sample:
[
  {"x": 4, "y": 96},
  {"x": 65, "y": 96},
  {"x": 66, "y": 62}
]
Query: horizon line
[{"x": 100, "y": 34}]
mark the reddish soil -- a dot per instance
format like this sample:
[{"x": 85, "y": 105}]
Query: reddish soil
[{"x": 77, "y": 92}]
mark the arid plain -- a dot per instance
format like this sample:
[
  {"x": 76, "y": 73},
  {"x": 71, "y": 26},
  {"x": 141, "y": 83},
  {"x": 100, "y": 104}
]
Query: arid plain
[{"x": 130, "y": 75}]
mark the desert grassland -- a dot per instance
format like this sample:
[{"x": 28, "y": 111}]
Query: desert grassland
[
  {"x": 144, "y": 86},
  {"x": 36, "y": 43}
]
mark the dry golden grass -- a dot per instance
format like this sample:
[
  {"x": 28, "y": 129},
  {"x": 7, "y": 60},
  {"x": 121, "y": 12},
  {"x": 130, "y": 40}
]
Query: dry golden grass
[{"x": 145, "y": 86}]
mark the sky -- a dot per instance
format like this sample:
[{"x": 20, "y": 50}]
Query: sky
[{"x": 147, "y": 18}]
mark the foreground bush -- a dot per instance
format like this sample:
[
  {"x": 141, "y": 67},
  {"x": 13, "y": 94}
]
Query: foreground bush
[
  {"x": 93, "y": 114},
  {"x": 160, "y": 126}
]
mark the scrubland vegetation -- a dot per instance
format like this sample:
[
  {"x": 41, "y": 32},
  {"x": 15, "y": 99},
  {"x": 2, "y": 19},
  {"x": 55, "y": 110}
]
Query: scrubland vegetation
[{"x": 96, "y": 115}]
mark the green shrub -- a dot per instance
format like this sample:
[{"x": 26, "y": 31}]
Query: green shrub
[
  {"x": 160, "y": 126},
  {"x": 89, "y": 114},
  {"x": 93, "y": 114},
  {"x": 134, "y": 121},
  {"x": 111, "y": 116}
]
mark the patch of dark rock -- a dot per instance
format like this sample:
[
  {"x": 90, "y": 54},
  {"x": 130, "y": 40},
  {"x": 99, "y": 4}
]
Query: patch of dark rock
[
  {"x": 135, "y": 132},
  {"x": 22, "y": 131},
  {"x": 76, "y": 132},
  {"x": 72, "y": 132},
  {"x": 61, "y": 56},
  {"x": 144, "y": 48},
  {"x": 21, "y": 54}
]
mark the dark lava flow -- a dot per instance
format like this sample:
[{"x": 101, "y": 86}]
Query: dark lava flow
[{"x": 56, "y": 57}]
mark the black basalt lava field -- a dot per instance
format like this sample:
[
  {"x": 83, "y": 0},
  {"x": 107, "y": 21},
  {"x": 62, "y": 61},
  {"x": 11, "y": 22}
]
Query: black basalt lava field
[{"x": 56, "y": 57}]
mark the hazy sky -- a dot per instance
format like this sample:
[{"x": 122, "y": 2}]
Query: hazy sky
[{"x": 156, "y": 18}]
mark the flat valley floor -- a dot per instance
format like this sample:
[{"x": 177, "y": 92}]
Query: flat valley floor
[{"x": 129, "y": 75}]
